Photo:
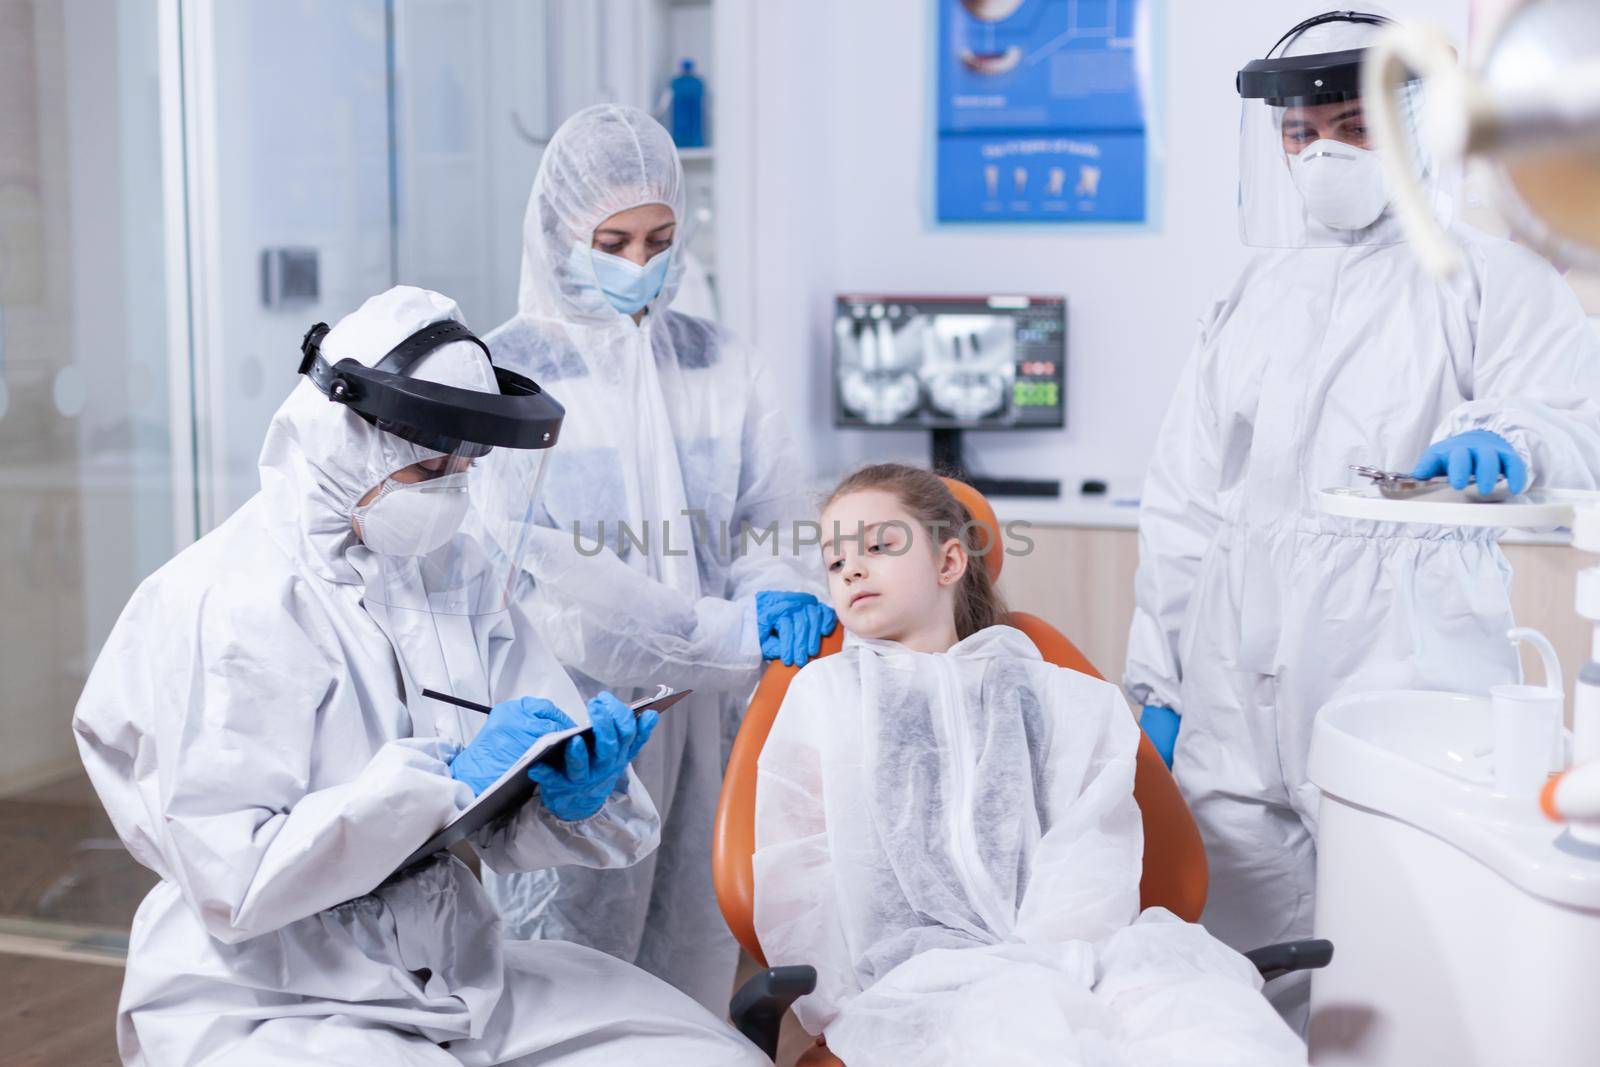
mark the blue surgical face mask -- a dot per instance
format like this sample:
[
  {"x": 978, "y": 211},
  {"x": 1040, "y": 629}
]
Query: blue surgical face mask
[{"x": 627, "y": 285}]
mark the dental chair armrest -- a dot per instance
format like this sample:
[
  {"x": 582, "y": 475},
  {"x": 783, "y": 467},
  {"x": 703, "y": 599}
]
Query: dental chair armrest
[
  {"x": 757, "y": 1008},
  {"x": 1275, "y": 961}
]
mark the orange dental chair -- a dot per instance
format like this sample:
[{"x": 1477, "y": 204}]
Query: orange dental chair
[{"x": 1174, "y": 875}]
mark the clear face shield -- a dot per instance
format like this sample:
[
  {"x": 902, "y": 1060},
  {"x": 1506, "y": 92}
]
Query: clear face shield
[
  {"x": 427, "y": 526},
  {"x": 445, "y": 527},
  {"x": 1308, "y": 175}
]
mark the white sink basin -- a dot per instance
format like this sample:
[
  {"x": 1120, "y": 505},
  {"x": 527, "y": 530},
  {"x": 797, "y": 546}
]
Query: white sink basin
[
  {"x": 1424, "y": 758},
  {"x": 1466, "y": 926}
]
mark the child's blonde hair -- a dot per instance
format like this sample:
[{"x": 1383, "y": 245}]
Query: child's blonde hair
[{"x": 936, "y": 509}]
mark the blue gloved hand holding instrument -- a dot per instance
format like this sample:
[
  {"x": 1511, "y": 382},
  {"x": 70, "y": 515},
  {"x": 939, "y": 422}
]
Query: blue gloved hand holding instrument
[
  {"x": 1476, "y": 454},
  {"x": 573, "y": 788},
  {"x": 792, "y": 625},
  {"x": 513, "y": 727},
  {"x": 574, "y": 772}
]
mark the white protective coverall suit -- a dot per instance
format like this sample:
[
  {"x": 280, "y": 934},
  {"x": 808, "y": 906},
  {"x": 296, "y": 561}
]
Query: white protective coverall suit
[
  {"x": 255, "y": 730},
  {"x": 1253, "y": 608},
  {"x": 952, "y": 841},
  {"x": 669, "y": 430}
]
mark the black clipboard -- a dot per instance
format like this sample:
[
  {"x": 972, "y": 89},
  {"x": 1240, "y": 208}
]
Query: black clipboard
[{"x": 514, "y": 788}]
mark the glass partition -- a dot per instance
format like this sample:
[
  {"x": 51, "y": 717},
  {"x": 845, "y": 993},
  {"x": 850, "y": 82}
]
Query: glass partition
[{"x": 89, "y": 500}]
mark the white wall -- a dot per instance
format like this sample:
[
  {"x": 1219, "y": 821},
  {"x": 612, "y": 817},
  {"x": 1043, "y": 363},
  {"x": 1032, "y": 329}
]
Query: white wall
[{"x": 837, "y": 128}]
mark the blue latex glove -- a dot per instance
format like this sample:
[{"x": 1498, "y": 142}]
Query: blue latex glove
[
  {"x": 1474, "y": 453},
  {"x": 792, "y": 626},
  {"x": 513, "y": 726},
  {"x": 1160, "y": 724},
  {"x": 579, "y": 790}
]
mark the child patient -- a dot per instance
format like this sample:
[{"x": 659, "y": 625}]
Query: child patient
[{"x": 946, "y": 830}]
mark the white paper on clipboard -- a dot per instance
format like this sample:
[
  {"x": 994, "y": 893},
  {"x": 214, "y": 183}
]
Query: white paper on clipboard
[{"x": 514, "y": 788}]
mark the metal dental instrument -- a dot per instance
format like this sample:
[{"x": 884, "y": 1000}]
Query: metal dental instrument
[
  {"x": 1394, "y": 484},
  {"x": 1397, "y": 485}
]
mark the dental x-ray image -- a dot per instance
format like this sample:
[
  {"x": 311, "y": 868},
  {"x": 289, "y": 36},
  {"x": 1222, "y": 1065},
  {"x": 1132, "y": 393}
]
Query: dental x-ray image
[
  {"x": 969, "y": 363},
  {"x": 980, "y": 362}
]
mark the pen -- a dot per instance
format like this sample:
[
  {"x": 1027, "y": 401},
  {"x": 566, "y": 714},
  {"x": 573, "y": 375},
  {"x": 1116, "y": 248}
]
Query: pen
[{"x": 457, "y": 701}]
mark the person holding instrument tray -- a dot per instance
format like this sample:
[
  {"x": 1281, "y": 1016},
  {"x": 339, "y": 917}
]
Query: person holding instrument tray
[{"x": 257, "y": 730}]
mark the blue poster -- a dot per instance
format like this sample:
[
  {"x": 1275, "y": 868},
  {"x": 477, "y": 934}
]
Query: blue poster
[{"x": 1040, "y": 114}]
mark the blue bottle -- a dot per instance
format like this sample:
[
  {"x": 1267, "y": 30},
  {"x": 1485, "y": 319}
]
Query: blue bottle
[{"x": 689, "y": 108}]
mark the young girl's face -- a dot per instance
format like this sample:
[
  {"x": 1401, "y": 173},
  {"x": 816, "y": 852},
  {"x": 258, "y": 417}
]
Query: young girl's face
[{"x": 887, "y": 578}]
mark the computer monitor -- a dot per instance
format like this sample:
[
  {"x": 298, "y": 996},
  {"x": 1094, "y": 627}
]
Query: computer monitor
[{"x": 947, "y": 364}]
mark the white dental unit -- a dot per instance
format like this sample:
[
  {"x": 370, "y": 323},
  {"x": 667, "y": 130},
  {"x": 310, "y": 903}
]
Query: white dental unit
[
  {"x": 1465, "y": 920},
  {"x": 1458, "y": 869}
]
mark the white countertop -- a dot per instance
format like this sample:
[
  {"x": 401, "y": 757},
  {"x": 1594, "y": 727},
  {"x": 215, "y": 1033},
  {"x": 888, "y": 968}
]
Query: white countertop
[
  {"x": 1075, "y": 511},
  {"x": 1086, "y": 512}
]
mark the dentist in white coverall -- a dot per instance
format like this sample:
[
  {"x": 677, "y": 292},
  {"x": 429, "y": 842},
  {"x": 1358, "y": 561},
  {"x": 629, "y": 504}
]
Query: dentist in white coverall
[
  {"x": 1334, "y": 347},
  {"x": 257, "y": 731}
]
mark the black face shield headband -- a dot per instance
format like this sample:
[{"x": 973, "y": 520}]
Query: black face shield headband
[
  {"x": 441, "y": 418},
  {"x": 1303, "y": 81}
]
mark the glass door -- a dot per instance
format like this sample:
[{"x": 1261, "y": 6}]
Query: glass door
[
  {"x": 339, "y": 147},
  {"x": 185, "y": 187},
  {"x": 95, "y": 481},
  {"x": 291, "y": 199}
]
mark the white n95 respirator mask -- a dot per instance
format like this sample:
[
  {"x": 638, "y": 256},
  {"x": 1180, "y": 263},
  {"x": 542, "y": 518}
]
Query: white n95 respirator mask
[
  {"x": 415, "y": 518},
  {"x": 1342, "y": 185}
]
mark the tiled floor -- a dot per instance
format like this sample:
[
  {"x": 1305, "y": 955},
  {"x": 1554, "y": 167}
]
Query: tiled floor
[
  {"x": 57, "y": 1013},
  {"x": 66, "y": 886},
  {"x": 63, "y": 862}
]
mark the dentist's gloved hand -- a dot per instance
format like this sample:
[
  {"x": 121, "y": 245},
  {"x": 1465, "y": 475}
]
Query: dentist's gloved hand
[
  {"x": 792, "y": 626},
  {"x": 579, "y": 790},
  {"x": 513, "y": 726},
  {"x": 1160, "y": 724},
  {"x": 1476, "y": 453}
]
